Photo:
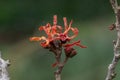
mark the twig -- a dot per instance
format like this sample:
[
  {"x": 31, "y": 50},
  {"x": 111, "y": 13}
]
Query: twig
[
  {"x": 59, "y": 70},
  {"x": 56, "y": 48},
  {"x": 59, "y": 65},
  {"x": 3, "y": 71},
  {"x": 111, "y": 68}
]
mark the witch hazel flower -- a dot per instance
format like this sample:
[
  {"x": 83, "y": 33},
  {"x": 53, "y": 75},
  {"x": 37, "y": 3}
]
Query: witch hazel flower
[
  {"x": 56, "y": 32},
  {"x": 58, "y": 38}
]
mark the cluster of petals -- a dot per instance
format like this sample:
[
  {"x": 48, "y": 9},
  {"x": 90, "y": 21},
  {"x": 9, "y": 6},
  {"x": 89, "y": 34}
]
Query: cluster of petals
[{"x": 57, "y": 32}]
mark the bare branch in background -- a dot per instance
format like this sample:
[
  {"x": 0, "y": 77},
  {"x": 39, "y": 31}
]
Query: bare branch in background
[
  {"x": 3, "y": 69},
  {"x": 111, "y": 68}
]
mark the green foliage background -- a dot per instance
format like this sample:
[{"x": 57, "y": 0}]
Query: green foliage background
[{"x": 20, "y": 19}]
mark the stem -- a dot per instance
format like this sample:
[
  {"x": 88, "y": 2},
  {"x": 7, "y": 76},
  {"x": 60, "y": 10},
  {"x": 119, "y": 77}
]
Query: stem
[
  {"x": 60, "y": 68},
  {"x": 111, "y": 68},
  {"x": 58, "y": 76},
  {"x": 56, "y": 48},
  {"x": 58, "y": 72},
  {"x": 59, "y": 65}
]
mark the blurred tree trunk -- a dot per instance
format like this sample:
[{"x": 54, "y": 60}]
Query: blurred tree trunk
[{"x": 3, "y": 71}]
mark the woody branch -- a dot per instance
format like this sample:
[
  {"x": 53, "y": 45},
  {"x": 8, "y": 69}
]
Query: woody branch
[
  {"x": 56, "y": 48},
  {"x": 111, "y": 68},
  {"x": 3, "y": 71}
]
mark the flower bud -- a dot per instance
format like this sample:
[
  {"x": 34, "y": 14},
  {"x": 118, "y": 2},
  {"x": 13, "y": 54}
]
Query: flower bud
[
  {"x": 70, "y": 52},
  {"x": 73, "y": 53}
]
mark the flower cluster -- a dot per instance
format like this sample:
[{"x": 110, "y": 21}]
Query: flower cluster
[{"x": 56, "y": 32}]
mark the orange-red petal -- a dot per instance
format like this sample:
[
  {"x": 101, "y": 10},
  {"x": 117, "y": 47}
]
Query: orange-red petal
[
  {"x": 41, "y": 28},
  {"x": 65, "y": 23},
  {"x": 35, "y": 38},
  {"x": 55, "y": 20},
  {"x": 70, "y": 24},
  {"x": 54, "y": 64},
  {"x": 75, "y": 31},
  {"x": 77, "y": 43}
]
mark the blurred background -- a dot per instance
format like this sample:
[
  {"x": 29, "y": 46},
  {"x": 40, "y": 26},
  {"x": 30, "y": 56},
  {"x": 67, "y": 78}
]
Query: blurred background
[{"x": 20, "y": 19}]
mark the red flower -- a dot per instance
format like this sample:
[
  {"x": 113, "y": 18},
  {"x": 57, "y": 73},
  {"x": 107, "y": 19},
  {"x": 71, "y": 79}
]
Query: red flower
[
  {"x": 55, "y": 32},
  {"x": 77, "y": 43},
  {"x": 70, "y": 51}
]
